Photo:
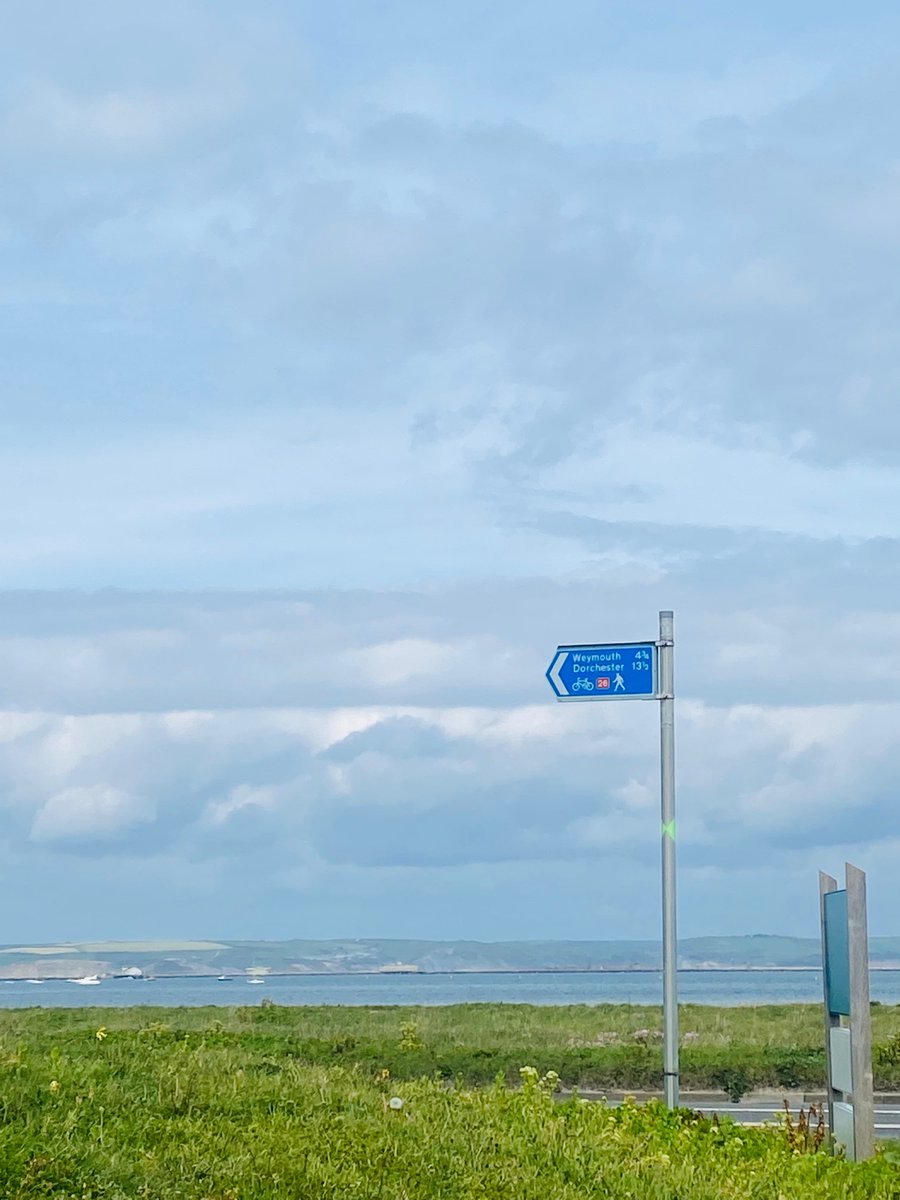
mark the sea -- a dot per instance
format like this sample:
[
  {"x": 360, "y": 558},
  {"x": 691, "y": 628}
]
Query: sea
[{"x": 556, "y": 987}]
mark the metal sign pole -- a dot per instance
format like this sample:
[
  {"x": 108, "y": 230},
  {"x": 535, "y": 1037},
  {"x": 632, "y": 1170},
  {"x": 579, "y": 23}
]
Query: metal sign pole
[
  {"x": 639, "y": 671},
  {"x": 860, "y": 1014},
  {"x": 848, "y": 1050},
  {"x": 667, "y": 794}
]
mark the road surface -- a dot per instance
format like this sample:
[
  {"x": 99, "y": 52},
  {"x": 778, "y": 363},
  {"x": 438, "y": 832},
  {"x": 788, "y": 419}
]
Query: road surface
[{"x": 760, "y": 1109}]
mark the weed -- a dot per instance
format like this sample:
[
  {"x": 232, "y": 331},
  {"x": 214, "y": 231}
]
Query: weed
[
  {"x": 807, "y": 1135},
  {"x": 410, "y": 1038},
  {"x": 887, "y": 1054}
]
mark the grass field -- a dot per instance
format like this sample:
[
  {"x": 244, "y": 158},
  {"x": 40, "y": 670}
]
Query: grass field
[
  {"x": 732, "y": 1050},
  {"x": 114, "y": 948},
  {"x": 231, "y": 1104}
]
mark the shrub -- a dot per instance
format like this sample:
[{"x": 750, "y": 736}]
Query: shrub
[{"x": 735, "y": 1082}]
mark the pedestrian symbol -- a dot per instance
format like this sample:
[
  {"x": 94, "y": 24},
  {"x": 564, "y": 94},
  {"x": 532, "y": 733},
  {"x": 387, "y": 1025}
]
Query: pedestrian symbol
[{"x": 620, "y": 683}]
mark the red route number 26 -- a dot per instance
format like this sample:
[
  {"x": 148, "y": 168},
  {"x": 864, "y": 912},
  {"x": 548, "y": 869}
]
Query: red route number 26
[{"x": 602, "y": 682}]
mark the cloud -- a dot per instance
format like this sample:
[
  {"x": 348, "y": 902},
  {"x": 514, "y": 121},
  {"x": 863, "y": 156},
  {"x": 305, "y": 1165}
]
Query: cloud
[
  {"x": 89, "y": 814},
  {"x": 450, "y": 791},
  {"x": 451, "y": 785},
  {"x": 48, "y": 118},
  {"x": 370, "y": 356},
  {"x": 667, "y": 109},
  {"x": 396, "y": 737}
]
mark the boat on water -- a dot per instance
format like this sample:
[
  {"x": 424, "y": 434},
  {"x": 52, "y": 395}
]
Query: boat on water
[
  {"x": 255, "y": 979},
  {"x": 223, "y": 978},
  {"x": 34, "y": 981},
  {"x": 86, "y": 980}
]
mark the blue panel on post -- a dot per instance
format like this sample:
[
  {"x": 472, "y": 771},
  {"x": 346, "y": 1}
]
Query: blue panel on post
[
  {"x": 617, "y": 671},
  {"x": 837, "y": 954}
]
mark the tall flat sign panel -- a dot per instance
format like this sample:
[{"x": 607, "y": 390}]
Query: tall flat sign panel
[{"x": 837, "y": 954}]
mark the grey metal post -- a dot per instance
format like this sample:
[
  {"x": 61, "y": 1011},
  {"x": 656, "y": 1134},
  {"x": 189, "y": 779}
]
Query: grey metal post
[
  {"x": 860, "y": 1015},
  {"x": 666, "y": 686},
  {"x": 827, "y": 883}
]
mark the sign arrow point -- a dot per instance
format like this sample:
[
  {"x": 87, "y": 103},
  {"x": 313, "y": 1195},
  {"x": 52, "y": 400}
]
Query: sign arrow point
[{"x": 553, "y": 673}]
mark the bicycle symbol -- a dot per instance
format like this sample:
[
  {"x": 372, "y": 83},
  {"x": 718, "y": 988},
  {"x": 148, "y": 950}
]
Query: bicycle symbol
[{"x": 582, "y": 685}]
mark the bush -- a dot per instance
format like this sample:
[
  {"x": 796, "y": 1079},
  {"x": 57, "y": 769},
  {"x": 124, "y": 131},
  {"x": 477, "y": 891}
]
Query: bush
[{"x": 735, "y": 1082}]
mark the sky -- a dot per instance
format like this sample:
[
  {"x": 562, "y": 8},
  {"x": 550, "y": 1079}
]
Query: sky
[{"x": 352, "y": 357}]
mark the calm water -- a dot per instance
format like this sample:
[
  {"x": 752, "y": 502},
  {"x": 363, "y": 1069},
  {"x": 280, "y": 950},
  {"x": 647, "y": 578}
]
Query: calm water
[{"x": 698, "y": 987}]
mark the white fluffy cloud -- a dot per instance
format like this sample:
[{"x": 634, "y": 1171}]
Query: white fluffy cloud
[
  {"x": 97, "y": 813},
  {"x": 452, "y": 789}
]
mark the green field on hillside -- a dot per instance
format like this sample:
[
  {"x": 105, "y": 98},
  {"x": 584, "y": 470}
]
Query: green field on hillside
[
  {"x": 218, "y": 1104},
  {"x": 349, "y": 955}
]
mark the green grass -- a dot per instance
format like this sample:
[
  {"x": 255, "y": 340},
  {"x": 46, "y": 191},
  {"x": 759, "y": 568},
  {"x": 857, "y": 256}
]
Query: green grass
[
  {"x": 223, "y": 1105},
  {"x": 729, "y": 1049},
  {"x": 500, "y": 1025}
]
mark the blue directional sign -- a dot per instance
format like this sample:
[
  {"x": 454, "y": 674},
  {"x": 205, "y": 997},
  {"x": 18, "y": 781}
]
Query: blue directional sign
[{"x": 615, "y": 672}]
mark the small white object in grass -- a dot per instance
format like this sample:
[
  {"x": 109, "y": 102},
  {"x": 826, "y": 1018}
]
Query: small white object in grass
[{"x": 395, "y": 1103}]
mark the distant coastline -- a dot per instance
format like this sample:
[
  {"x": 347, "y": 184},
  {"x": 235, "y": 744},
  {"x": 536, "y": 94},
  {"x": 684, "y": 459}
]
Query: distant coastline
[
  {"x": 179, "y": 959},
  {"x": 724, "y": 970}
]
